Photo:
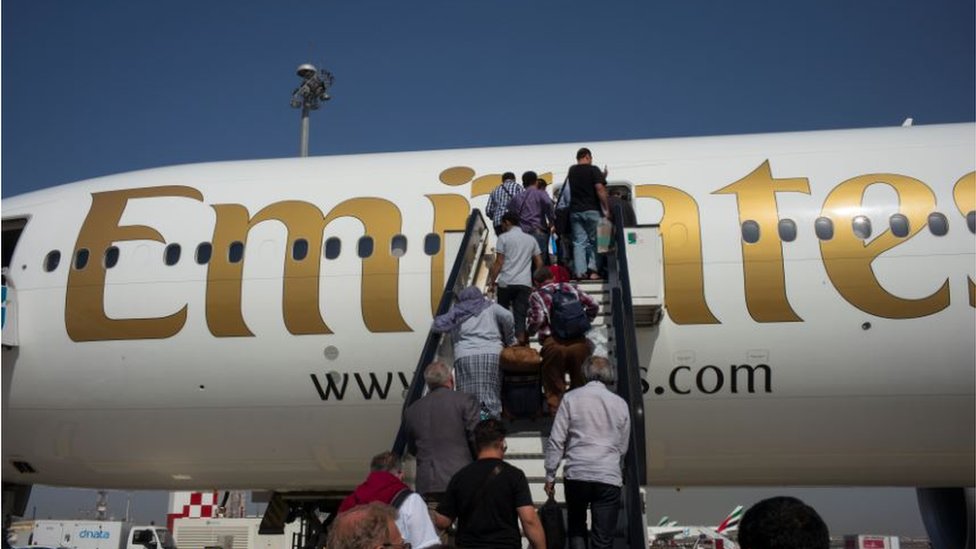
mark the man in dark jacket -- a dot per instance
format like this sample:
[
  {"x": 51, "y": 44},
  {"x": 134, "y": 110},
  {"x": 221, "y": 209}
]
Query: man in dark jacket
[{"x": 440, "y": 431}]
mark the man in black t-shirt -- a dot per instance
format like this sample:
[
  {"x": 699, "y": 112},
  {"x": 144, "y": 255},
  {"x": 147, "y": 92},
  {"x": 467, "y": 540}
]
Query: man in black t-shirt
[
  {"x": 489, "y": 497},
  {"x": 587, "y": 204}
]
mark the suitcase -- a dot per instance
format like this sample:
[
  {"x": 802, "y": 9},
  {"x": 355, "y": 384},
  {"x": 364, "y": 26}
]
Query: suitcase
[
  {"x": 522, "y": 395},
  {"x": 520, "y": 360}
]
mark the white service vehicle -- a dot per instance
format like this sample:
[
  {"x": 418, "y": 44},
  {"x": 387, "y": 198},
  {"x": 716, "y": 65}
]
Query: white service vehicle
[
  {"x": 229, "y": 533},
  {"x": 99, "y": 534}
]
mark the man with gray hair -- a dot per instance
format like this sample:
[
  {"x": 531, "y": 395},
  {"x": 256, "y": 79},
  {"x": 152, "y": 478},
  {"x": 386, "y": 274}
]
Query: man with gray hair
[
  {"x": 365, "y": 527},
  {"x": 440, "y": 431},
  {"x": 592, "y": 432}
]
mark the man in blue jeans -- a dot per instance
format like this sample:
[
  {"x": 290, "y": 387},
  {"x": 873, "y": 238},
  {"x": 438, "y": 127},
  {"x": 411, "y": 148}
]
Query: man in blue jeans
[
  {"x": 587, "y": 204},
  {"x": 592, "y": 432}
]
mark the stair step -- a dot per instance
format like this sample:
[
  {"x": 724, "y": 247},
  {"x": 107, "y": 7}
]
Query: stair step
[
  {"x": 531, "y": 445},
  {"x": 534, "y": 468}
]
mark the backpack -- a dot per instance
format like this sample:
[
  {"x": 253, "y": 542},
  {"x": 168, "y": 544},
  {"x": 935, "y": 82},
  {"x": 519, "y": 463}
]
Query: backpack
[{"x": 567, "y": 318}]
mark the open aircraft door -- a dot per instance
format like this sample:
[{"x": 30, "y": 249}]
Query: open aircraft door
[
  {"x": 12, "y": 229},
  {"x": 645, "y": 265}
]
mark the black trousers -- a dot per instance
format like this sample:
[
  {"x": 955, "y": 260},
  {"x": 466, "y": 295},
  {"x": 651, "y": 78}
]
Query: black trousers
[
  {"x": 516, "y": 299},
  {"x": 604, "y": 503}
]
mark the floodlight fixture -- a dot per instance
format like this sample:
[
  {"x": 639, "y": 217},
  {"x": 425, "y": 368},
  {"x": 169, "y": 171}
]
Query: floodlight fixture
[{"x": 309, "y": 96}]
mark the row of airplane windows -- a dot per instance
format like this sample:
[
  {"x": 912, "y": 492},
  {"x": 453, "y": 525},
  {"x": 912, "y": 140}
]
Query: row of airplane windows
[
  {"x": 235, "y": 252},
  {"x": 823, "y": 227}
]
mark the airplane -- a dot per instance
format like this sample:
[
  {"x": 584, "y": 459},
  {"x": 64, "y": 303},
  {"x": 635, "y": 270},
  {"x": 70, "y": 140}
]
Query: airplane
[
  {"x": 255, "y": 324},
  {"x": 666, "y": 521},
  {"x": 668, "y": 530}
]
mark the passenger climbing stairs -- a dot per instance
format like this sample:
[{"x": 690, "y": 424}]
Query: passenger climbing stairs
[{"x": 614, "y": 334}]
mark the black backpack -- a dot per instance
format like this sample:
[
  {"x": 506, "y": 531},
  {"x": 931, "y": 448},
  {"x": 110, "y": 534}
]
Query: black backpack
[{"x": 567, "y": 317}]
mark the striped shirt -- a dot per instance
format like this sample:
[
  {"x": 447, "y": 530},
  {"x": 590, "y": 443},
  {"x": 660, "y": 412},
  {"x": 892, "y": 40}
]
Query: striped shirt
[{"x": 498, "y": 200}]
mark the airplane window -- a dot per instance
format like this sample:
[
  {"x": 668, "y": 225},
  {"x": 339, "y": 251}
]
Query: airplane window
[
  {"x": 332, "y": 248},
  {"x": 171, "y": 256},
  {"x": 365, "y": 247},
  {"x": 862, "y": 227},
  {"x": 299, "y": 249},
  {"x": 204, "y": 251},
  {"x": 824, "y": 228},
  {"x": 899, "y": 225},
  {"x": 971, "y": 221},
  {"x": 398, "y": 247},
  {"x": 52, "y": 260},
  {"x": 938, "y": 224},
  {"x": 81, "y": 259},
  {"x": 750, "y": 231},
  {"x": 787, "y": 230},
  {"x": 236, "y": 252},
  {"x": 111, "y": 257},
  {"x": 432, "y": 244}
]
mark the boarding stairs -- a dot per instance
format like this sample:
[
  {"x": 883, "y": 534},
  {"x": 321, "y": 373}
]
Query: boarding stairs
[{"x": 617, "y": 319}]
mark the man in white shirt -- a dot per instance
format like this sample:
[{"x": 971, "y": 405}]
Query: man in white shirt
[{"x": 592, "y": 432}]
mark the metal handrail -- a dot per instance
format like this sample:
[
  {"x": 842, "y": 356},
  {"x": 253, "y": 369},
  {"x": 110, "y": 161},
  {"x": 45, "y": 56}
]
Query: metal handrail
[
  {"x": 629, "y": 385},
  {"x": 635, "y": 396},
  {"x": 469, "y": 252}
]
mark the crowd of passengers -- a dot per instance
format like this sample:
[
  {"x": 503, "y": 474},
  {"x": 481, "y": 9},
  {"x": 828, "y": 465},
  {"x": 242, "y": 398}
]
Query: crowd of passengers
[
  {"x": 464, "y": 490},
  {"x": 465, "y": 493}
]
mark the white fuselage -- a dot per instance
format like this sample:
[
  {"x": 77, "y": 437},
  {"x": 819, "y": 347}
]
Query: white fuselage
[{"x": 226, "y": 374}]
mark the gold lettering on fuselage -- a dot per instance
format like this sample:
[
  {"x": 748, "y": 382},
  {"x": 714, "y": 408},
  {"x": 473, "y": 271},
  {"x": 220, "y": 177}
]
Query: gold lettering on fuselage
[
  {"x": 964, "y": 195},
  {"x": 684, "y": 285},
  {"x": 84, "y": 307},
  {"x": 300, "y": 295},
  {"x": 485, "y": 184},
  {"x": 450, "y": 214},
  {"x": 762, "y": 261},
  {"x": 456, "y": 176},
  {"x": 848, "y": 259}
]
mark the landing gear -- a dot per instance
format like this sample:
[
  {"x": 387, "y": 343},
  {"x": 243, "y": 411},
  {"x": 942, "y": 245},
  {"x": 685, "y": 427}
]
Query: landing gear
[
  {"x": 309, "y": 508},
  {"x": 15, "y": 498}
]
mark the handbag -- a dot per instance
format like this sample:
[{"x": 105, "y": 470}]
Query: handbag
[
  {"x": 553, "y": 524},
  {"x": 520, "y": 359}
]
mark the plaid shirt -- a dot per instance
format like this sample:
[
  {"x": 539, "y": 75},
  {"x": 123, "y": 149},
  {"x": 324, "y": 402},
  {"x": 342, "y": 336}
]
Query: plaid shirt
[
  {"x": 540, "y": 304},
  {"x": 498, "y": 200}
]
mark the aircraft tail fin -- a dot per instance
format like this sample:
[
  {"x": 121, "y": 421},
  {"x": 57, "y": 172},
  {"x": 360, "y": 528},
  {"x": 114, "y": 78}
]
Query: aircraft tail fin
[
  {"x": 731, "y": 522},
  {"x": 663, "y": 521}
]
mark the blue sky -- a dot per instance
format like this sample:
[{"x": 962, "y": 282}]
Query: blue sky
[{"x": 94, "y": 88}]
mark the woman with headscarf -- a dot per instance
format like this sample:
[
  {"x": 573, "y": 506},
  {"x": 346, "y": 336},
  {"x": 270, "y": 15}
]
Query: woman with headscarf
[{"x": 479, "y": 331}]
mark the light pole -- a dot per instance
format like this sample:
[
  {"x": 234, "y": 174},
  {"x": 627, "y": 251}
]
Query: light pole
[{"x": 309, "y": 96}]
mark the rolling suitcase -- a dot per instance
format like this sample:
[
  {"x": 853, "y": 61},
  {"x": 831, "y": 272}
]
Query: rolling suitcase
[{"x": 522, "y": 395}]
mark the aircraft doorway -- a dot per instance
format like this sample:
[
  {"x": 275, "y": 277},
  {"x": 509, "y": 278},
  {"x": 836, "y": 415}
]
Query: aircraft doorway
[{"x": 12, "y": 229}]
